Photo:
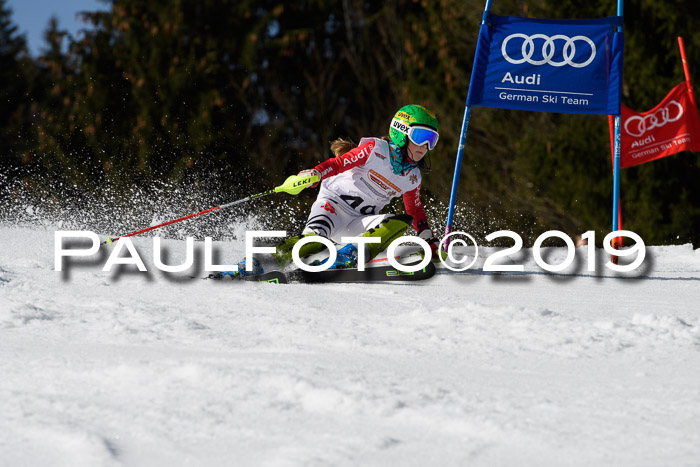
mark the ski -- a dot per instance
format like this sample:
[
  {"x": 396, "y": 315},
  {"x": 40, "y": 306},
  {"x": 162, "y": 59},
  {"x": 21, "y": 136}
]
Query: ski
[
  {"x": 401, "y": 258},
  {"x": 372, "y": 274},
  {"x": 277, "y": 277}
]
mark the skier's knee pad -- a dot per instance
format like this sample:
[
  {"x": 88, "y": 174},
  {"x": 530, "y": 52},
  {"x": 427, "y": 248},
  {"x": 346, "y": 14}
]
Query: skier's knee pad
[
  {"x": 389, "y": 230},
  {"x": 284, "y": 249}
]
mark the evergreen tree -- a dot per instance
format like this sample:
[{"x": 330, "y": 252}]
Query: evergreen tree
[
  {"x": 155, "y": 91},
  {"x": 568, "y": 157},
  {"x": 15, "y": 78}
]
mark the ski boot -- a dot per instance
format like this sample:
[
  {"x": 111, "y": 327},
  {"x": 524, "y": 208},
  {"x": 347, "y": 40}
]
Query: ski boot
[
  {"x": 346, "y": 257},
  {"x": 389, "y": 229},
  {"x": 242, "y": 272}
]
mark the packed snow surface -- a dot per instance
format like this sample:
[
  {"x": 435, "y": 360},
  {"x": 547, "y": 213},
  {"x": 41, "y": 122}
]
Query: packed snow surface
[{"x": 128, "y": 368}]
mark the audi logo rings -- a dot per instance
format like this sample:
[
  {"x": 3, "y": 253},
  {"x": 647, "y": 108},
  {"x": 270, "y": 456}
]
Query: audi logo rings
[
  {"x": 548, "y": 48},
  {"x": 655, "y": 120}
]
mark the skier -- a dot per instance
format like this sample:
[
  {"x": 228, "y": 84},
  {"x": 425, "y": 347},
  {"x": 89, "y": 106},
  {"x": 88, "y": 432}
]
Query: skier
[{"x": 359, "y": 182}]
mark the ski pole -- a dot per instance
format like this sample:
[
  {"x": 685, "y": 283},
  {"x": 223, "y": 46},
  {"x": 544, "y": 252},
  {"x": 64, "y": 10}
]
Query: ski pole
[{"x": 293, "y": 185}]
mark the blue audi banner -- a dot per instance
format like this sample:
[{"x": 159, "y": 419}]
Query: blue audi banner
[{"x": 569, "y": 66}]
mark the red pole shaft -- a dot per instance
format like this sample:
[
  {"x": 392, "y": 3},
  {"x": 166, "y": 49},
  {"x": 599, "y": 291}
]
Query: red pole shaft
[
  {"x": 223, "y": 206},
  {"x": 686, "y": 71},
  {"x": 168, "y": 223}
]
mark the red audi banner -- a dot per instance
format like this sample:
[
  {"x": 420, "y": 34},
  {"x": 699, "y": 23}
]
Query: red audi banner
[{"x": 670, "y": 127}]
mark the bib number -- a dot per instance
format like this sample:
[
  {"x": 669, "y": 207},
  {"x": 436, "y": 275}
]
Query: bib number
[{"x": 355, "y": 202}]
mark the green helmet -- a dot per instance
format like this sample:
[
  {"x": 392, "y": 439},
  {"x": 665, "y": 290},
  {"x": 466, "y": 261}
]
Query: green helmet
[{"x": 406, "y": 117}]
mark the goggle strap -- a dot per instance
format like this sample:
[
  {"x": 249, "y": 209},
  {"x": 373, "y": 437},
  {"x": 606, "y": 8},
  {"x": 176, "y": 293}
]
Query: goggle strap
[{"x": 398, "y": 125}]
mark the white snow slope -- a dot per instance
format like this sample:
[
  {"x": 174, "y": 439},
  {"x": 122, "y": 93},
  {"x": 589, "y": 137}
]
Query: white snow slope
[{"x": 533, "y": 369}]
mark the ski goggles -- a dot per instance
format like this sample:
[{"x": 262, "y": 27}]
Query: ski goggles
[{"x": 419, "y": 135}]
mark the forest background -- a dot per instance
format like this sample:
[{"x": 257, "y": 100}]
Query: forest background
[{"x": 226, "y": 98}]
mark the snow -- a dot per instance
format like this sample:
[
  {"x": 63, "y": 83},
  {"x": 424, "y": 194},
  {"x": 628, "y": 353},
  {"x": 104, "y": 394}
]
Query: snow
[{"x": 127, "y": 368}]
